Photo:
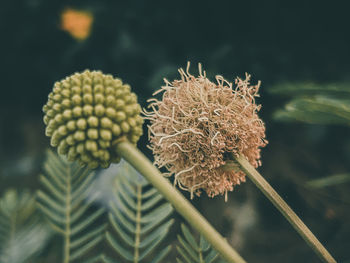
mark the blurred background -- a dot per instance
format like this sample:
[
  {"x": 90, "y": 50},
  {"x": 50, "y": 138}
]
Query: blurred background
[{"x": 300, "y": 50}]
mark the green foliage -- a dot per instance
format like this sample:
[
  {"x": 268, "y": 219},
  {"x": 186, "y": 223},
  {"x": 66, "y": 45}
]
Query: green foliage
[
  {"x": 21, "y": 234},
  {"x": 139, "y": 219},
  {"x": 311, "y": 103},
  {"x": 64, "y": 202},
  {"x": 331, "y": 180},
  {"x": 193, "y": 252}
]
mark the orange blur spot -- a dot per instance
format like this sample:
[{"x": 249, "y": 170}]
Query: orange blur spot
[{"x": 77, "y": 23}]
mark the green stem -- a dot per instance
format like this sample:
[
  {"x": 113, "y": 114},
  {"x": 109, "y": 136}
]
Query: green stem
[
  {"x": 286, "y": 211},
  {"x": 132, "y": 155},
  {"x": 138, "y": 225},
  {"x": 201, "y": 256},
  {"x": 67, "y": 230}
]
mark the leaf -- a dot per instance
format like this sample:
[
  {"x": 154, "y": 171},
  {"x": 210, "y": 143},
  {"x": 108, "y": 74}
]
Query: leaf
[
  {"x": 22, "y": 235},
  {"x": 339, "y": 90},
  {"x": 315, "y": 104},
  {"x": 139, "y": 217},
  {"x": 192, "y": 251},
  {"x": 63, "y": 201},
  {"x": 316, "y": 110},
  {"x": 329, "y": 181}
]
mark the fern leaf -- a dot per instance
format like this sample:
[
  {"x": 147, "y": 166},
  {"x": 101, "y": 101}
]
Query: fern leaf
[
  {"x": 191, "y": 251},
  {"x": 161, "y": 255},
  {"x": 19, "y": 225},
  {"x": 139, "y": 217},
  {"x": 62, "y": 200},
  {"x": 100, "y": 259}
]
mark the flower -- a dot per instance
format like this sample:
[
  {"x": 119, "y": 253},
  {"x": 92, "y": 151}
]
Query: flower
[
  {"x": 77, "y": 23},
  {"x": 87, "y": 113},
  {"x": 198, "y": 125}
]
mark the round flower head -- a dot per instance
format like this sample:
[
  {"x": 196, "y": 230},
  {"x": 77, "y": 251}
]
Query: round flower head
[
  {"x": 87, "y": 113},
  {"x": 199, "y": 124}
]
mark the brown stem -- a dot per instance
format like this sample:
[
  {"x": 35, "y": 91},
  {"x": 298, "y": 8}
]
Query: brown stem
[{"x": 286, "y": 211}]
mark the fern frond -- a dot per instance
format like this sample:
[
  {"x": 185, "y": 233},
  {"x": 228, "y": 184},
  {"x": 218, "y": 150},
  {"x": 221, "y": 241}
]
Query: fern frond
[
  {"x": 19, "y": 225},
  {"x": 192, "y": 251},
  {"x": 63, "y": 201},
  {"x": 139, "y": 218}
]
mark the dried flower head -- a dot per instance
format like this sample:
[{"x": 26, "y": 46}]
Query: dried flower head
[
  {"x": 89, "y": 111},
  {"x": 198, "y": 124}
]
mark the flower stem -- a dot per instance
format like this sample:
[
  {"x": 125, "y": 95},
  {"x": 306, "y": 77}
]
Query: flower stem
[
  {"x": 132, "y": 155},
  {"x": 286, "y": 211}
]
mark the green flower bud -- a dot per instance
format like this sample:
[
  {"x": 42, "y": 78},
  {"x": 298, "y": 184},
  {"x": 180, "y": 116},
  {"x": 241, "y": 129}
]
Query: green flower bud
[
  {"x": 81, "y": 124},
  {"x": 99, "y": 98},
  {"x": 76, "y": 99},
  {"x": 111, "y": 113},
  {"x": 66, "y": 103},
  {"x": 125, "y": 127},
  {"x": 106, "y": 122},
  {"x": 88, "y": 99},
  {"x": 120, "y": 116},
  {"x": 99, "y": 110},
  {"x": 116, "y": 130},
  {"x": 77, "y": 111},
  {"x": 93, "y": 121},
  {"x": 70, "y": 140},
  {"x": 104, "y": 144},
  {"x": 87, "y": 112},
  {"x": 92, "y": 134},
  {"x": 79, "y": 135}
]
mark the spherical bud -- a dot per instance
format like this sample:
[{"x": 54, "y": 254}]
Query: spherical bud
[
  {"x": 66, "y": 103},
  {"x": 58, "y": 119},
  {"x": 105, "y": 135},
  {"x": 71, "y": 125},
  {"x": 120, "y": 116},
  {"x": 70, "y": 139},
  {"x": 111, "y": 113},
  {"x": 106, "y": 122},
  {"x": 76, "y": 99},
  {"x": 132, "y": 122},
  {"x": 65, "y": 93},
  {"x": 116, "y": 130},
  {"x": 110, "y": 101},
  {"x": 87, "y": 112},
  {"x": 92, "y": 134},
  {"x": 119, "y": 104},
  {"x": 62, "y": 130},
  {"x": 88, "y": 99},
  {"x": 79, "y": 136},
  {"x": 81, "y": 124},
  {"x": 67, "y": 115},
  {"x": 57, "y": 107},
  {"x": 91, "y": 145},
  {"x": 77, "y": 111},
  {"x": 99, "y": 98},
  {"x": 93, "y": 121},
  {"x": 99, "y": 110},
  {"x": 125, "y": 127}
]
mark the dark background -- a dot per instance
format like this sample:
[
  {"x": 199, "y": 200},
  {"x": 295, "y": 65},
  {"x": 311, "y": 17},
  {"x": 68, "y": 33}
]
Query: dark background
[{"x": 144, "y": 41}]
